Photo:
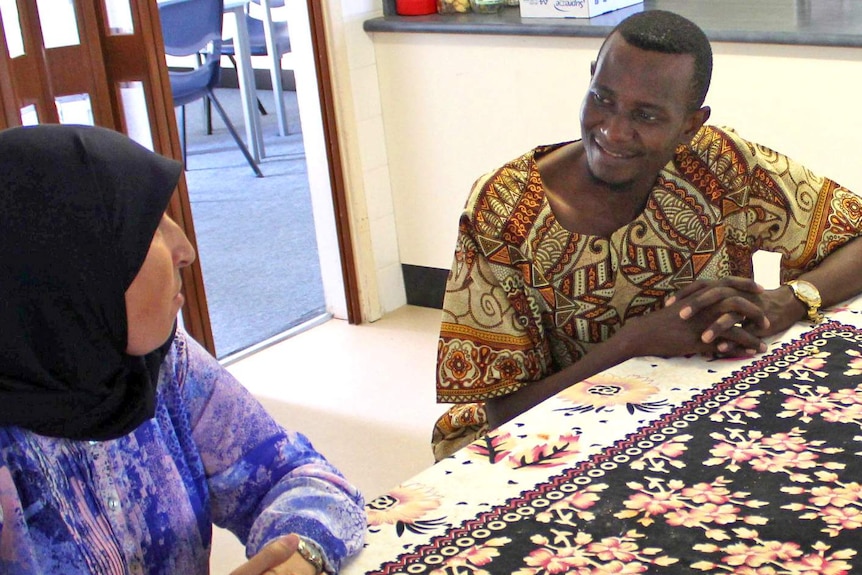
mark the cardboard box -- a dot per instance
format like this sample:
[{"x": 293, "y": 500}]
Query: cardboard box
[{"x": 571, "y": 8}]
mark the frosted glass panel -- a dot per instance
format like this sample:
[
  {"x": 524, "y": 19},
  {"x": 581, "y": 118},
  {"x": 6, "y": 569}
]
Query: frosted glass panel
[
  {"x": 29, "y": 117},
  {"x": 119, "y": 17},
  {"x": 137, "y": 119},
  {"x": 75, "y": 109},
  {"x": 59, "y": 24},
  {"x": 12, "y": 27}
]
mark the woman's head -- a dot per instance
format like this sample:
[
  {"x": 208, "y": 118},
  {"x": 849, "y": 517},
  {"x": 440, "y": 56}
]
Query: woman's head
[{"x": 79, "y": 212}]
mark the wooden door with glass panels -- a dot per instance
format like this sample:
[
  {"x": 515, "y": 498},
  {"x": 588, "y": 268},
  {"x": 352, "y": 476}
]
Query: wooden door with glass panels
[{"x": 98, "y": 62}]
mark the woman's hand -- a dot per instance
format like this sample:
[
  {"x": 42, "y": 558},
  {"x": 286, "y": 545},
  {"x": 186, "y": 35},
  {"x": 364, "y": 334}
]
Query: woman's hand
[{"x": 277, "y": 558}]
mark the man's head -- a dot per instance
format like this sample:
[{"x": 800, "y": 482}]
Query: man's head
[
  {"x": 645, "y": 98},
  {"x": 669, "y": 33}
]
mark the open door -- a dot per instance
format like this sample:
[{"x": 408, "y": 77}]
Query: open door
[{"x": 99, "y": 62}]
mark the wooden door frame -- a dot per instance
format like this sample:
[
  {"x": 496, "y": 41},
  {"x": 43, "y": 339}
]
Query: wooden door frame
[{"x": 341, "y": 208}]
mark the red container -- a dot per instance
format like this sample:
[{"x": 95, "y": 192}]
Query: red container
[{"x": 415, "y": 7}]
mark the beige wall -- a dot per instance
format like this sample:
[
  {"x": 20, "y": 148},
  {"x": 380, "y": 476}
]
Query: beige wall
[
  {"x": 423, "y": 115},
  {"x": 454, "y": 106},
  {"x": 364, "y": 154}
]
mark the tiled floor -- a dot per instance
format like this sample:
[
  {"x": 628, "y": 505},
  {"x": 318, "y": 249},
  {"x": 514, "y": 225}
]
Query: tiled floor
[{"x": 363, "y": 394}]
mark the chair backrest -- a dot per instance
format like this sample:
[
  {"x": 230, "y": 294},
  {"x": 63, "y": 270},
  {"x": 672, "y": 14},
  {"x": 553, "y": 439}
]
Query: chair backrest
[
  {"x": 188, "y": 26},
  {"x": 272, "y": 4},
  {"x": 277, "y": 10}
]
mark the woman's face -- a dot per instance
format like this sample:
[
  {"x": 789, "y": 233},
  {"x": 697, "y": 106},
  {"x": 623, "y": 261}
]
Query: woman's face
[{"x": 154, "y": 299}]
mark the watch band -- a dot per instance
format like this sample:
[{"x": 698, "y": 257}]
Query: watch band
[{"x": 310, "y": 551}]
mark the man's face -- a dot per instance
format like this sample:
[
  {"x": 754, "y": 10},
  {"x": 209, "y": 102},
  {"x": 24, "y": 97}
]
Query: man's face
[{"x": 636, "y": 112}]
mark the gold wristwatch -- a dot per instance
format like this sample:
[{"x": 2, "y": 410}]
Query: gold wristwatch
[
  {"x": 311, "y": 553},
  {"x": 809, "y": 295}
]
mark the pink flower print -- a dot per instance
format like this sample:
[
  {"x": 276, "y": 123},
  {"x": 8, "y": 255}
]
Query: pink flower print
[
  {"x": 842, "y": 517},
  {"x": 818, "y": 565},
  {"x": 704, "y": 514},
  {"x": 854, "y": 366},
  {"x": 737, "y": 452},
  {"x": 849, "y": 494},
  {"x": 618, "y": 567},
  {"x": 614, "y": 548},
  {"x": 547, "y": 453},
  {"x": 562, "y": 560},
  {"x": 706, "y": 492},
  {"x": 653, "y": 504}
]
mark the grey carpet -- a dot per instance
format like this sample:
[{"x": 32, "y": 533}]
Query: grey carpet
[{"x": 255, "y": 236}]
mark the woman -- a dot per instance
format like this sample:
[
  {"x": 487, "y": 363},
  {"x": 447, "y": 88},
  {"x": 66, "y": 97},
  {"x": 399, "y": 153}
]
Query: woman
[{"x": 122, "y": 440}]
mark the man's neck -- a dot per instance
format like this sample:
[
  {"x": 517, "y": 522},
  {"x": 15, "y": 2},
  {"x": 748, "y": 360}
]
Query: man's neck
[{"x": 580, "y": 202}]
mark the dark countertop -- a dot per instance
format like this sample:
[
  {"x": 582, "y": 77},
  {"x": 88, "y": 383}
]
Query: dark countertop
[{"x": 797, "y": 22}]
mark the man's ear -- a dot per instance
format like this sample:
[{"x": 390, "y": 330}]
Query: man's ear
[{"x": 695, "y": 120}]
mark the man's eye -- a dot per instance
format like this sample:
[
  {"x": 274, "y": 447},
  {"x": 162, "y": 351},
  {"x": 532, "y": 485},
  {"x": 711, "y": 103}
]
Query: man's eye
[
  {"x": 645, "y": 116},
  {"x": 601, "y": 99}
]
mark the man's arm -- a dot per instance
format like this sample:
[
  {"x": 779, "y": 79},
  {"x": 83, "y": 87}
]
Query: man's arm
[
  {"x": 838, "y": 277},
  {"x": 663, "y": 332}
]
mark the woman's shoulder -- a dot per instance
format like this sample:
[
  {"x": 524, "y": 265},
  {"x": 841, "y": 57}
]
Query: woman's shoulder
[{"x": 188, "y": 366}]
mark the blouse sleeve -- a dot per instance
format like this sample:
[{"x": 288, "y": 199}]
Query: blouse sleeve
[
  {"x": 493, "y": 340},
  {"x": 265, "y": 481}
]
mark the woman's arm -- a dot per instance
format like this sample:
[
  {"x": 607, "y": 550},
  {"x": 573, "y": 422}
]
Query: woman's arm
[{"x": 266, "y": 482}]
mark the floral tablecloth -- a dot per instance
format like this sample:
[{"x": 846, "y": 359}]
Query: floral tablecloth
[{"x": 677, "y": 465}]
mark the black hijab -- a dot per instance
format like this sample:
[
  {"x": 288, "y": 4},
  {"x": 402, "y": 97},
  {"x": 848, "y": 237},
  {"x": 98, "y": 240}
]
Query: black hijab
[{"x": 78, "y": 209}]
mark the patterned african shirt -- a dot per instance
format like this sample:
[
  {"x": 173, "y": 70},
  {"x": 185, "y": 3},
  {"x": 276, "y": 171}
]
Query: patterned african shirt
[
  {"x": 526, "y": 298},
  {"x": 144, "y": 503}
]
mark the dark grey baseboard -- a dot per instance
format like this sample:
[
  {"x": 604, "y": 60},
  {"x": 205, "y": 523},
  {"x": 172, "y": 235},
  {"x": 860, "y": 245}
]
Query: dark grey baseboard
[{"x": 424, "y": 286}]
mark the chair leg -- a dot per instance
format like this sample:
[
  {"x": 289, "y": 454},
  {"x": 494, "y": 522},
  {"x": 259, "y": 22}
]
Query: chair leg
[
  {"x": 183, "y": 133},
  {"x": 235, "y": 135},
  {"x": 208, "y": 115},
  {"x": 260, "y": 107}
]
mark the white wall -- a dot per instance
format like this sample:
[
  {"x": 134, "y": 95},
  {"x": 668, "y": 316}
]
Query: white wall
[
  {"x": 360, "y": 121},
  {"x": 454, "y": 106}
]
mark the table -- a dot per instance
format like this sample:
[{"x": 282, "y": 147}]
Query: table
[{"x": 679, "y": 465}]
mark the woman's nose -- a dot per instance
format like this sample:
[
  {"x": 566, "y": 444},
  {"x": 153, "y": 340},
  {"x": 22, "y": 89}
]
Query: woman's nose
[
  {"x": 185, "y": 253},
  {"x": 181, "y": 248}
]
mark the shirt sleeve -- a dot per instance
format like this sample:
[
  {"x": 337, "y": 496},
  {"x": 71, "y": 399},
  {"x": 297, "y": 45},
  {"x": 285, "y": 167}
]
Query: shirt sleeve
[
  {"x": 795, "y": 212},
  {"x": 265, "y": 481},
  {"x": 492, "y": 335}
]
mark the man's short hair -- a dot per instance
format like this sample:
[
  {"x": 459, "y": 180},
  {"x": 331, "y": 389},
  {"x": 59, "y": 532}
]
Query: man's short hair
[{"x": 670, "y": 33}]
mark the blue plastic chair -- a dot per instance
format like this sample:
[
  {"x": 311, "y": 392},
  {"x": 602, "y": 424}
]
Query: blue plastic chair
[
  {"x": 257, "y": 37},
  {"x": 193, "y": 28}
]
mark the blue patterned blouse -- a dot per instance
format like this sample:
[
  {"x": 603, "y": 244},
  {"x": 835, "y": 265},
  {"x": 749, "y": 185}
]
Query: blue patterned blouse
[{"x": 144, "y": 503}]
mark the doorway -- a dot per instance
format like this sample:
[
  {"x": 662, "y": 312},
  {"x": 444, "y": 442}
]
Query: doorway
[
  {"x": 255, "y": 236},
  {"x": 115, "y": 45},
  {"x": 258, "y": 238}
]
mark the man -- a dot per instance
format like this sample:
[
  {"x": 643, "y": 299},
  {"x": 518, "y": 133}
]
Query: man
[{"x": 635, "y": 240}]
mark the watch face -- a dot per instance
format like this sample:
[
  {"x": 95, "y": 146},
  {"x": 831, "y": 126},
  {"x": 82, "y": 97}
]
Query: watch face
[{"x": 807, "y": 291}]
